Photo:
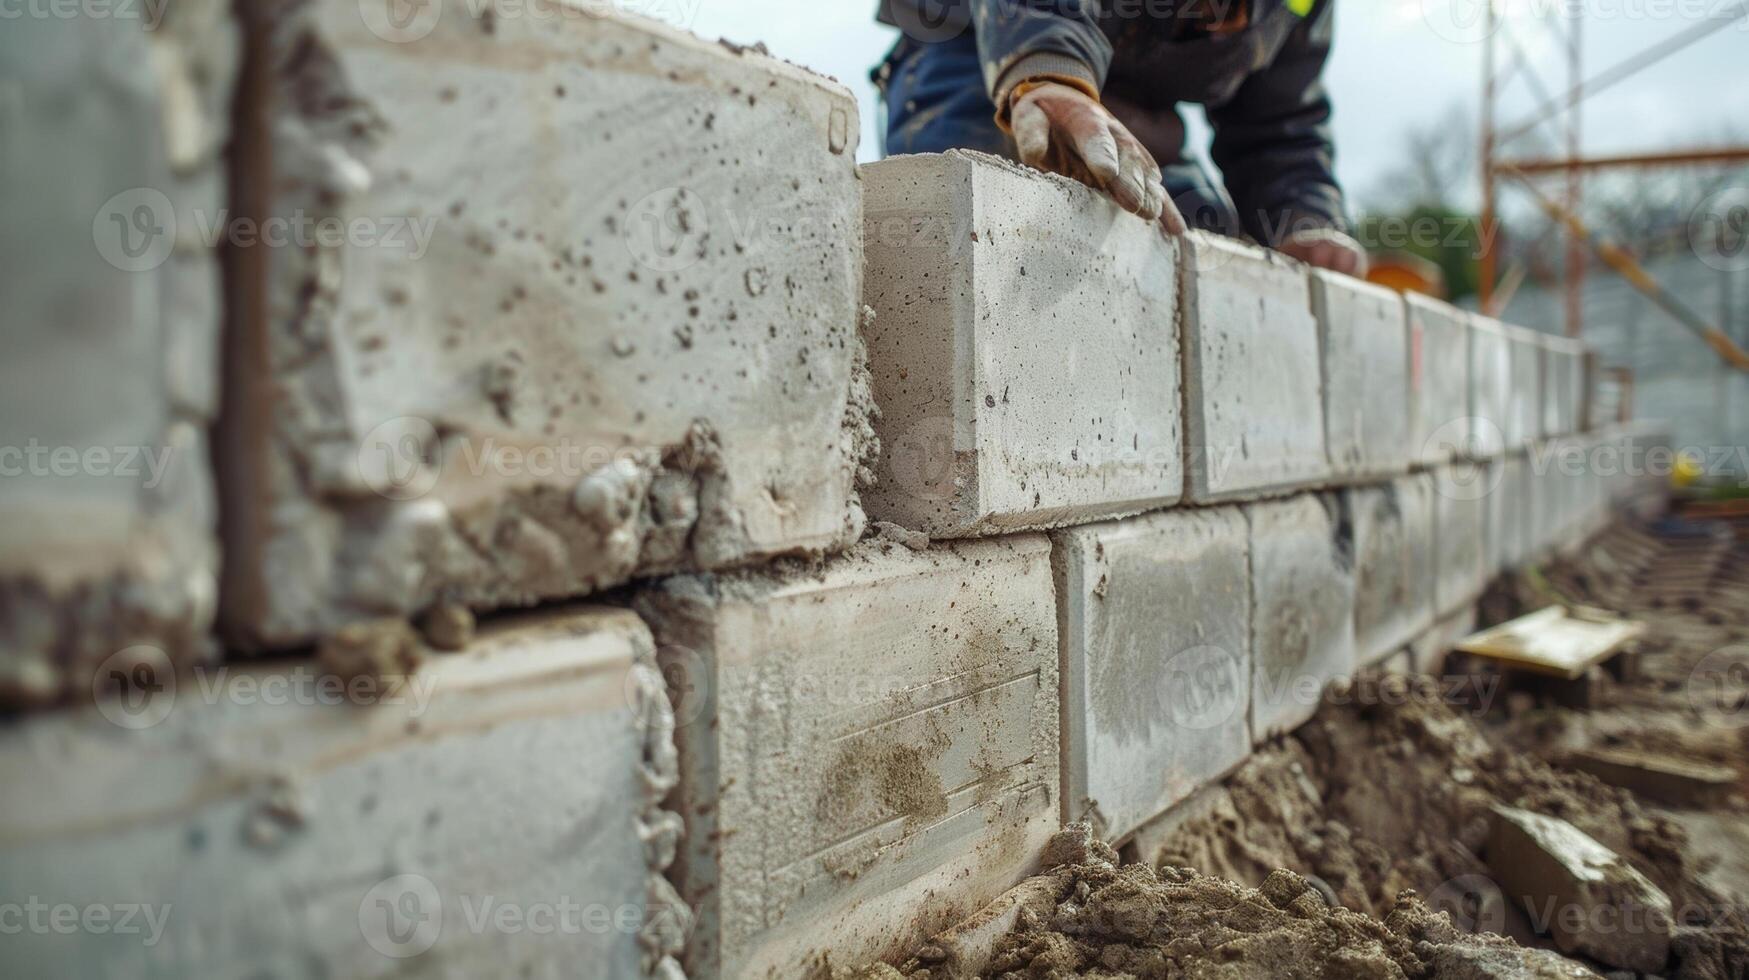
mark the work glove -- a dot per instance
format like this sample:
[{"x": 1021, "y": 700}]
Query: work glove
[
  {"x": 1062, "y": 129},
  {"x": 1326, "y": 248}
]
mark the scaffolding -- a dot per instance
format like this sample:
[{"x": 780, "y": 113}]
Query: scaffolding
[{"x": 1580, "y": 241}]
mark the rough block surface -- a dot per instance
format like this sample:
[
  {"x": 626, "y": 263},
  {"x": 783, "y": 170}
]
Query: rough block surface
[
  {"x": 111, "y": 322},
  {"x": 1393, "y": 549},
  {"x": 1491, "y": 390},
  {"x": 278, "y": 825},
  {"x": 1253, "y": 401},
  {"x": 1460, "y": 494},
  {"x": 867, "y": 751},
  {"x": 1024, "y": 349},
  {"x": 1364, "y": 344},
  {"x": 572, "y": 342},
  {"x": 1156, "y": 614},
  {"x": 1302, "y": 613},
  {"x": 1563, "y": 369},
  {"x": 1438, "y": 380}
]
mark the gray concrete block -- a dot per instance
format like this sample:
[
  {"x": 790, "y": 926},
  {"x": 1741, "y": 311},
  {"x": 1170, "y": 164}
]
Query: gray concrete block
[
  {"x": 1024, "y": 349},
  {"x": 497, "y": 812},
  {"x": 1438, "y": 380},
  {"x": 1253, "y": 401},
  {"x": 1490, "y": 386},
  {"x": 111, "y": 181},
  {"x": 1524, "y": 394},
  {"x": 1156, "y": 654},
  {"x": 587, "y": 308},
  {"x": 1393, "y": 549},
  {"x": 1428, "y": 653},
  {"x": 1302, "y": 611},
  {"x": 1460, "y": 494},
  {"x": 1363, "y": 340},
  {"x": 1511, "y": 514},
  {"x": 867, "y": 750},
  {"x": 1563, "y": 368}
]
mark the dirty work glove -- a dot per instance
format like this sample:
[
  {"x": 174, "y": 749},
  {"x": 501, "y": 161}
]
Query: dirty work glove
[
  {"x": 1062, "y": 129},
  {"x": 1326, "y": 248}
]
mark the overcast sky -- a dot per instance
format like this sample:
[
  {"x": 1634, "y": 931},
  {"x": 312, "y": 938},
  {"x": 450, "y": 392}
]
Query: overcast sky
[{"x": 1396, "y": 63}]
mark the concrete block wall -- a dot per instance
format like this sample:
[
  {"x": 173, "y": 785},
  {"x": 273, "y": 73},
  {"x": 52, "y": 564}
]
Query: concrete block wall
[{"x": 1132, "y": 502}]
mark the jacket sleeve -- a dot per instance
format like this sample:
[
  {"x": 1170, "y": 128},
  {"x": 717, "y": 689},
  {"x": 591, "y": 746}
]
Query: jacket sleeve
[
  {"x": 1022, "y": 39},
  {"x": 1272, "y": 139}
]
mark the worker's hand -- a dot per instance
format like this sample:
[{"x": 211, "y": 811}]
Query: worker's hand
[
  {"x": 1059, "y": 128},
  {"x": 1326, "y": 248}
]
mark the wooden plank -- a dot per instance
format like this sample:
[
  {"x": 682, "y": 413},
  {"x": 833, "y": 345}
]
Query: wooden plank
[{"x": 1556, "y": 641}]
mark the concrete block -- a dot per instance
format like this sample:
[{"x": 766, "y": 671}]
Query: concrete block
[
  {"x": 111, "y": 323},
  {"x": 1461, "y": 490},
  {"x": 1393, "y": 560},
  {"x": 1491, "y": 394},
  {"x": 1302, "y": 613},
  {"x": 1511, "y": 504},
  {"x": 1591, "y": 901},
  {"x": 1428, "y": 652},
  {"x": 1439, "y": 372},
  {"x": 1524, "y": 393},
  {"x": 1024, "y": 349},
  {"x": 496, "y": 812},
  {"x": 585, "y": 308},
  {"x": 1253, "y": 402},
  {"x": 1156, "y": 654},
  {"x": 868, "y": 751},
  {"x": 1563, "y": 369},
  {"x": 1363, "y": 339}
]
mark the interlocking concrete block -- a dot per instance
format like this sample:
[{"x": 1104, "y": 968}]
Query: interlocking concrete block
[
  {"x": 1156, "y": 615},
  {"x": 1363, "y": 339},
  {"x": 111, "y": 323},
  {"x": 1491, "y": 393},
  {"x": 1302, "y": 614},
  {"x": 1427, "y": 654},
  {"x": 498, "y": 811},
  {"x": 1524, "y": 393},
  {"x": 1460, "y": 515},
  {"x": 1024, "y": 349},
  {"x": 867, "y": 751},
  {"x": 580, "y": 303},
  {"x": 1393, "y": 561},
  {"x": 1439, "y": 372},
  {"x": 1253, "y": 401}
]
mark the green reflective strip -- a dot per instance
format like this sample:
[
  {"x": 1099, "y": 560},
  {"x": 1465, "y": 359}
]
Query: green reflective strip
[{"x": 1301, "y": 7}]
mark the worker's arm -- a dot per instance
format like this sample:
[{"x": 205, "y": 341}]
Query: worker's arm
[
  {"x": 1044, "y": 65},
  {"x": 1272, "y": 143}
]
